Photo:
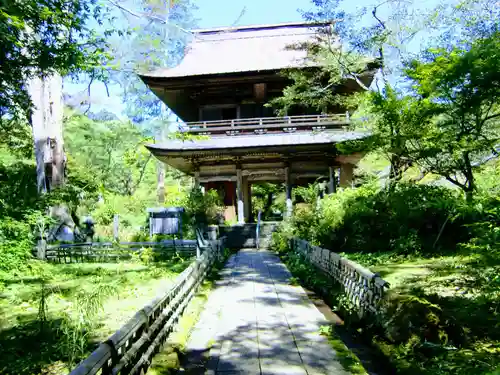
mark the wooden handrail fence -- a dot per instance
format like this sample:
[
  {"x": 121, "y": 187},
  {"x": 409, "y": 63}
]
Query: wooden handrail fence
[
  {"x": 109, "y": 251},
  {"x": 363, "y": 288},
  {"x": 130, "y": 349}
]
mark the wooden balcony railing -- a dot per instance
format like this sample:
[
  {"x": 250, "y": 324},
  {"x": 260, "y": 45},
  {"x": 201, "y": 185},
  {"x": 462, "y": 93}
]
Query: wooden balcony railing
[{"x": 266, "y": 125}]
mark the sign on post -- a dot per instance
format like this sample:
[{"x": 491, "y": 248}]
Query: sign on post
[{"x": 165, "y": 220}]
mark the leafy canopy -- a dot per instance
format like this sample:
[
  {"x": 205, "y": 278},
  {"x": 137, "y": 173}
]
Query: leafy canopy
[
  {"x": 111, "y": 154},
  {"x": 40, "y": 37},
  {"x": 460, "y": 90}
]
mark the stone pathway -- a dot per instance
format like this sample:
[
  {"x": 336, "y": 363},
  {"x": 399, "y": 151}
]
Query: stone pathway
[{"x": 255, "y": 322}]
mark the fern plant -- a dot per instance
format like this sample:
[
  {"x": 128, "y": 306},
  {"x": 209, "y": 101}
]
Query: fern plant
[{"x": 79, "y": 322}]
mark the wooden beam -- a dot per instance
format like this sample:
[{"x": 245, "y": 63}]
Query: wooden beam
[
  {"x": 260, "y": 171},
  {"x": 205, "y": 179}
]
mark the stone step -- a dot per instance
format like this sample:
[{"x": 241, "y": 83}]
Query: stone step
[{"x": 244, "y": 235}]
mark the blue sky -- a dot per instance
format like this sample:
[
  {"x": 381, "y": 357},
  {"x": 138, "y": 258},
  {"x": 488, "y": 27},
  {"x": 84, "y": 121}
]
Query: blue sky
[
  {"x": 214, "y": 13},
  {"x": 219, "y": 13},
  {"x": 210, "y": 13}
]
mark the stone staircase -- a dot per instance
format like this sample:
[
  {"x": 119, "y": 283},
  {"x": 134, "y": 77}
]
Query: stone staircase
[{"x": 241, "y": 236}]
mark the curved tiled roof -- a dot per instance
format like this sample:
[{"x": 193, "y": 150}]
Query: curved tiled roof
[
  {"x": 252, "y": 141},
  {"x": 244, "y": 49}
]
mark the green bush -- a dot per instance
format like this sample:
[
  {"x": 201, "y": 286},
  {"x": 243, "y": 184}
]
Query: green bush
[
  {"x": 404, "y": 219},
  {"x": 202, "y": 209},
  {"x": 16, "y": 242}
]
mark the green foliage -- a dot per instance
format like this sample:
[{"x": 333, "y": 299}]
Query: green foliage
[
  {"x": 184, "y": 137},
  {"x": 79, "y": 322},
  {"x": 202, "y": 209},
  {"x": 42, "y": 37},
  {"x": 441, "y": 258},
  {"x": 391, "y": 115},
  {"x": 79, "y": 305},
  {"x": 110, "y": 154},
  {"x": 107, "y": 160},
  {"x": 268, "y": 198},
  {"x": 16, "y": 242},
  {"x": 460, "y": 91},
  {"x": 405, "y": 219}
]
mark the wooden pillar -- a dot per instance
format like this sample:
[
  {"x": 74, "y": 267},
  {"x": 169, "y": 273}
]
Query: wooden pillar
[
  {"x": 247, "y": 199},
  {"x": 288, "y": 187},
  {"x": 332, "y": 183},
  {"x": 346, "y": 172},
  {"x": 239, "y": 197}
]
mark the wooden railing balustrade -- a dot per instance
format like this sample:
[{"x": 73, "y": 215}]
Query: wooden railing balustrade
[
  {"x": 130, "y": 349},
  {"x": 263, "y": 125},
  {"x": 363, "y": 288}
]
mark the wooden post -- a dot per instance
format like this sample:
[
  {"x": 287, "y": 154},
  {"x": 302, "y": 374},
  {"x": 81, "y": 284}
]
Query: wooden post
[
  {"x": 116, "y": 227},
  {"x": 247, "y": 199},
  {"x": 289, "y": 203},
  {"x": 332, "y": 183},
  {"x": 239, "y": 197}
]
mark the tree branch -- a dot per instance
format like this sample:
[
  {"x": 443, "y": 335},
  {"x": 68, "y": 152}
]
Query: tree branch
[
  {"x": 455, "y": 182},
  {"x": 88, "y": 93},
  {"x": 491, "y": 117},
  {"x": 141, "y": 175},
  {"x": 346, "y": 68},
  {"x": 150, "y": 16},
  {"x": 380, "y": 48}
]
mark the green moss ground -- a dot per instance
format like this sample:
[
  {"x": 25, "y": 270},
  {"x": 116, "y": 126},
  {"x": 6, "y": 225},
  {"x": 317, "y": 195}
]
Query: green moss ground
[{"x": 28, "y": 348}]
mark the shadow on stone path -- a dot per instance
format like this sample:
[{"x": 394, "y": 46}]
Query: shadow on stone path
[{"x": 255, "y": 322}]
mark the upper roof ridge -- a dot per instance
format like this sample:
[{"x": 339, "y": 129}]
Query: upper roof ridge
[{"x": 257, "y": 27}]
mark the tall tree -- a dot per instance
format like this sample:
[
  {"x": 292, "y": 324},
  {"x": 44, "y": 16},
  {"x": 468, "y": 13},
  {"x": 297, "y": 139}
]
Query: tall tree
[
  {"x": 157, "y": 38},
  {"x": 391, "y": 32},
  {"x": 460, "y": 89},
  {"x": 42, "y": 40},
  {"x": 46, "y": 122}
]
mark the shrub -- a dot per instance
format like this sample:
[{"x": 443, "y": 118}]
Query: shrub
[
  {"x": 202, "y": 209},
  {"x": 16, "y": 242},
  {"x": 404, "y": 219}
]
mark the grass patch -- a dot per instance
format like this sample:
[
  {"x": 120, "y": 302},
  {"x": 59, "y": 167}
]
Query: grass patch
[
  {"x": 35, "y": 303},
  {"x": 169, "y": 360},
  {"x": 453, "y": 305},
  {"x": 345, "y": 356}
]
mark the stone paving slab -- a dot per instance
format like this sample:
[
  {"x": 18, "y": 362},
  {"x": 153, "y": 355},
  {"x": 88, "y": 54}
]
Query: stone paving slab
[{"x": 255, "y": 322}]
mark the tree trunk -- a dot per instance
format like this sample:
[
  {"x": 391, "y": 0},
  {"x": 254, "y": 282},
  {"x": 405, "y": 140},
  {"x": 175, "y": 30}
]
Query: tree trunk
[
  {"x": 46, "y": 121},
  {"x": 396, "y": 168},
  {"x": 469, "y": 178},
  {"x": 160, "y": 189}
]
